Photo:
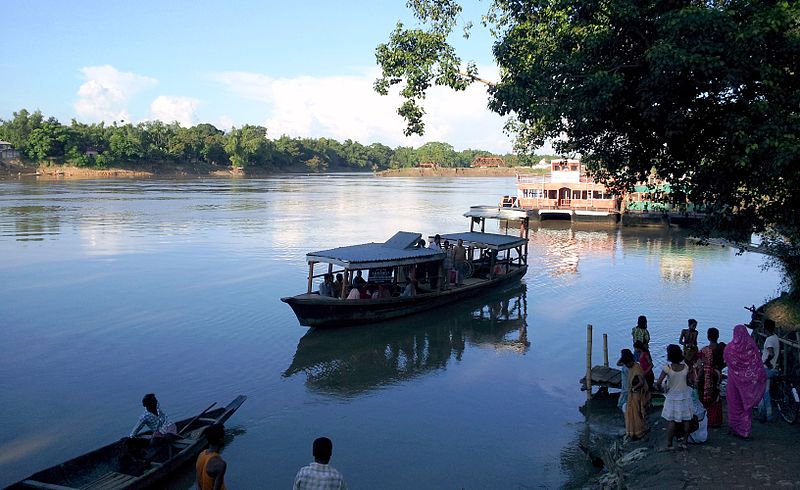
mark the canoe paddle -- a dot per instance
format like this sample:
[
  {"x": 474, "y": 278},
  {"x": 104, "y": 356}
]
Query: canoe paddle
[{"x": 194, "y": 419}]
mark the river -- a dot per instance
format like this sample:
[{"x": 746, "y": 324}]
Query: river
[{"x": 112, "y": 289}]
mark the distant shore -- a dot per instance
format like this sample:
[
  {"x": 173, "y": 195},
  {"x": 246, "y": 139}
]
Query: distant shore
[
  {"x": 16, "y": 170},
  {"x": 461, "y": 172}
]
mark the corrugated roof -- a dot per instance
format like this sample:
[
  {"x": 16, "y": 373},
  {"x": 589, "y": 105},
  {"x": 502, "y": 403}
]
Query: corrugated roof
[
  {"x": 493, "y": 212},
  {"x": 490, "y": 240},
  {"x": 398, "y": 250}
]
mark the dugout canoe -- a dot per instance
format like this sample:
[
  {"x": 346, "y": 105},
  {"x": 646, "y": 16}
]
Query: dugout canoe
[{"x": 115, "y": 466}]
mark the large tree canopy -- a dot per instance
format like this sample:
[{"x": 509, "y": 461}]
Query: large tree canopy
[{"x": 706, "y": 93}]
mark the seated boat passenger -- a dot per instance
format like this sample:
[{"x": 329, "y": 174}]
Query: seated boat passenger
[
  {"x": 326, "y": 288},
  {"x": 153, "y": 418},
  {"x": 366, "y": 292},
  {"x": 410, "y": 289},
  {"x": 359, "y": 281},
  {"x": 355, "y": 293},
  {"x": 382, "y": 292},
  {"x": 337, "y": 285}
]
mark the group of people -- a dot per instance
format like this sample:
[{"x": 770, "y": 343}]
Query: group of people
[
  {"x": 210, "y": 467},
  {"x": 691, "y": 382},
  {"x": 453, "y": 265}
]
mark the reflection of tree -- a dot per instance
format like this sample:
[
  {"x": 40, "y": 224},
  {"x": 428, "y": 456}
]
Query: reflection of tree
[
  {"x": 353, "y": 360},
  {"x": 34, "y": 223}
]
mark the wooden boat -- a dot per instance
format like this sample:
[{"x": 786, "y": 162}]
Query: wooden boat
[
  {"x": 493, "y": 260},
  {"x": 115, "y": 466}
]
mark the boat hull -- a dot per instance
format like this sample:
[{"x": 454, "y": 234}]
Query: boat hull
[
  {"x": 111, "y": 466},
  {"x": 322, "y": 312}
]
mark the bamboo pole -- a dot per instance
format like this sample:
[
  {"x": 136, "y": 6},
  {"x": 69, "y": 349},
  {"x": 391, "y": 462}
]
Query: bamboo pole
[
  {"x": 589, "y": 361},
  {"x": 605, "y": 349}
]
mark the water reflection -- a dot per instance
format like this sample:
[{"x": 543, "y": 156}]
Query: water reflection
[
  {"x": 349, "y": 361},
  {"x": 560, "y": 245},
  {"x": 32, "y": 223}
]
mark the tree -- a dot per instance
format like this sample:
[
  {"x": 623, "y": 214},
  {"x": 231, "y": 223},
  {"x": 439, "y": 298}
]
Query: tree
[
  {"x": 706, "y": 92},
  {"x": 247, "y": 145},
  {"x": 19, "y": 128}
]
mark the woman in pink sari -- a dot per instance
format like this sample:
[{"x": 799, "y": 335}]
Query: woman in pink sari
[{"x": 746, "y": 380}]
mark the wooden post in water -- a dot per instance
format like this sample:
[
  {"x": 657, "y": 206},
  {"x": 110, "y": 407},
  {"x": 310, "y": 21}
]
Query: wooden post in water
[
  {"x": 605, "y": 349},
  {"x": 589, "y": 361}
]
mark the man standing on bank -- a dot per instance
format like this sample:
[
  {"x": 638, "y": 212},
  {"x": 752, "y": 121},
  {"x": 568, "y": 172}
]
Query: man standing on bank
[
  {"x": 210, "y": 466},
  {"x": 319, "y": 475}
]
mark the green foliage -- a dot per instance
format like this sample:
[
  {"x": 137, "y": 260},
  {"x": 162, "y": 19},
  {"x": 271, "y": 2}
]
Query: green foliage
[
  {"x": 705, "y": 92},
  {"x": 156, "y": 143}
]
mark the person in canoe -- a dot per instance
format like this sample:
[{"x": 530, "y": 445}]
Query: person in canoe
[
  {"x": 210, "y": 466},
  {"x": 154, "y": 419}
]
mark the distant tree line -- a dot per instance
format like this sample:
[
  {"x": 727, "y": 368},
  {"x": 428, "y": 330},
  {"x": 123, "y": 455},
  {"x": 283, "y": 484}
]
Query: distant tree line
[{"x": 102, "y": 145}]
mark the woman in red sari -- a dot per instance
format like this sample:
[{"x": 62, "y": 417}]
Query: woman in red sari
[{"x": 710, "y": 377}]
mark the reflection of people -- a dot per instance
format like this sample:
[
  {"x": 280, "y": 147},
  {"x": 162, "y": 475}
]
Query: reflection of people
[
  {"x": 319, "y": 474},
  {"x": 210, "y": 467},
  {"x": 746, "y": 380}
]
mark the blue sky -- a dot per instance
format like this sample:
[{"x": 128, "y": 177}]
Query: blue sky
[{"x": 299, "y": 68}]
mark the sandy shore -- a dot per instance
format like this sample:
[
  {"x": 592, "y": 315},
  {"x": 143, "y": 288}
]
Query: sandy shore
[{"x": 768, "y": 459}]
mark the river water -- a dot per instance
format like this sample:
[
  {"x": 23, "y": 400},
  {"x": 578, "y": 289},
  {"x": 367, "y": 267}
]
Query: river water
[{"x": 113, "y": 289}]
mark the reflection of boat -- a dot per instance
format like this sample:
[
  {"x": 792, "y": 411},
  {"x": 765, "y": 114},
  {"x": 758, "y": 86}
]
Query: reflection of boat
[
  {"x": 350, "y": 361},
  {"x": 112, "y": 466},
  {"x": 492, "y": 260}
]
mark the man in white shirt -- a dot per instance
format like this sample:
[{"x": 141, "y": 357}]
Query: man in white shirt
[{"x": 769, "y": 356}]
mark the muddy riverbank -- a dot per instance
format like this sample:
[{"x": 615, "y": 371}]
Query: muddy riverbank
[{"x": 767, "y": 459}]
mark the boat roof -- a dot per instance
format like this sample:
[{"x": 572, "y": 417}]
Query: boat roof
[
  {"x": 398, "y": 250},
  {"x": 494, "y": 212},
  {"x": 493, "y": 241}
]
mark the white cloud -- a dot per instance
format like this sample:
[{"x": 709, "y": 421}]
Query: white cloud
[
  {"x": 169, "y": 108},
  {"x": 224, "y": 123},
  {"x": 105, "y": 93},
  {"x": 343, "y": 107}
]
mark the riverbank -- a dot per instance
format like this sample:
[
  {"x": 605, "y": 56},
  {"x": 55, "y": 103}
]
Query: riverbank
[
  {"x": 768, "y": 459},
  {"x": 462, "y": 172},
  {"x": 17, "y": 170}
]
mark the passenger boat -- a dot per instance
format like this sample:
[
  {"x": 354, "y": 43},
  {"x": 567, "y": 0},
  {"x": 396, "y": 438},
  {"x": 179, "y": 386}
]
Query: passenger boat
[
  {"x": 568, "y": 193},
  {"x": 116, "y": 466},
  {"x": 493, "y": 259}
]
